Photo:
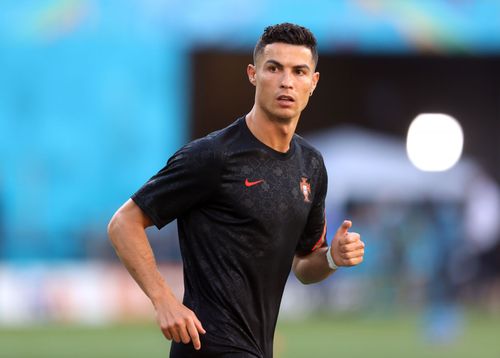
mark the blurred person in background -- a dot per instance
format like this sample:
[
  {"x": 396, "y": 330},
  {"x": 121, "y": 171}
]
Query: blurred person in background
[{"x": 250, "y": 206}]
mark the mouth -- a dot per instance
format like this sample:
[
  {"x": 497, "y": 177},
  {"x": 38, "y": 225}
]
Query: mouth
[{"x": 284, "y": 99}]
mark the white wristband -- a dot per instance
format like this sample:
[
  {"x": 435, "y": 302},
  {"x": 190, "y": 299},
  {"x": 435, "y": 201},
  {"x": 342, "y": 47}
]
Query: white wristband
[{"x": 329, "y": 258}]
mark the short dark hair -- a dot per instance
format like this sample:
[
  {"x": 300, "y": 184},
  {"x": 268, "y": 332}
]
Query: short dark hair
[{"x": 287, "y": 33}]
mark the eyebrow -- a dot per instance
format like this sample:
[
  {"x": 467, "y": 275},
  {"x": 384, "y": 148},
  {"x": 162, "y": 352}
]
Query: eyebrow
[{"x": 297, "y": 67}]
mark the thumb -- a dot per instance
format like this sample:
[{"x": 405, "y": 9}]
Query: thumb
[{"x": 346, "y": 225}]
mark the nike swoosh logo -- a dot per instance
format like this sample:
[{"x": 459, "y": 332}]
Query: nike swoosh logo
[{"x": 252, "y": 183}]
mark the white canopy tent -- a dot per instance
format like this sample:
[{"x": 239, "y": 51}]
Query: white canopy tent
[{"x": 368, "y": 166}]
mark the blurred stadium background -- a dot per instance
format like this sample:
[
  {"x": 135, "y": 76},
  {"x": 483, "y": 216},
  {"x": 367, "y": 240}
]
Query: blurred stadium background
[{"x": 95, "y": 96}]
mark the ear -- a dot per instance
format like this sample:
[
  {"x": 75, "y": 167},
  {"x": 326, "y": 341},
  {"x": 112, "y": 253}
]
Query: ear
[
  {"x": 315, "y": 81},
  {"x": 251, "y": 72}
]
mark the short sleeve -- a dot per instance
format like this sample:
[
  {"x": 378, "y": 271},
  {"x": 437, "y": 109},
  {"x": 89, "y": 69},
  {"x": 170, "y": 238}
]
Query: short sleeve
[
  {"x": 314, "y": 234},
  {"x": 189, "y": 178}
]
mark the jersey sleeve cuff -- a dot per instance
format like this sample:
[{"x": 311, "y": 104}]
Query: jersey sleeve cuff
[{"x": 147, "y": 210}]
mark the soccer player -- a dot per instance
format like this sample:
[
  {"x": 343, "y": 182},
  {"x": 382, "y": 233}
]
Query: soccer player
[{"x": 249, "y": 201}]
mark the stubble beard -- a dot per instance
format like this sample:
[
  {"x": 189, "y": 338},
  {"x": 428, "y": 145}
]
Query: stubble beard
[
  {"x": 281, "y": 120},
  {"x": 278, "y": 119},
  {"x": 277, "y": 116}
]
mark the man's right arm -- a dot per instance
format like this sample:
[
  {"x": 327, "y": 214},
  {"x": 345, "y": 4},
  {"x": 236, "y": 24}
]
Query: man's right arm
[{"x": 127, "y": 233}]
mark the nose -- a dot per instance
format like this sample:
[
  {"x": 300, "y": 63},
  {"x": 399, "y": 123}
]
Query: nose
[{"x": 286, "y": 80}]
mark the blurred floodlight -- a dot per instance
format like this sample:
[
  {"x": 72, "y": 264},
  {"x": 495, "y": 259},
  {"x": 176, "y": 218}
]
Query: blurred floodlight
[{"x": 435, "y": 142}]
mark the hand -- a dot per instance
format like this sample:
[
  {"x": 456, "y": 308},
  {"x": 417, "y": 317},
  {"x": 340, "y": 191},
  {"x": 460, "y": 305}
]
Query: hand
[
  {"x": 347, "y": 247},
  {"x": 178, "y": 322}
]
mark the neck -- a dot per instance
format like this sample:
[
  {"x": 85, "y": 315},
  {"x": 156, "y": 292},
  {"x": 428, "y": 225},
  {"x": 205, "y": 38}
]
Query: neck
[{"x": 276, "y": 134}]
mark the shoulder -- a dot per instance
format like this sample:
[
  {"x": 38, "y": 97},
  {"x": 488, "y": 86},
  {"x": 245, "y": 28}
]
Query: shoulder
[
  {"x": 224, "y": 137},
  {"x": 210, "y": 149},
  {"x": 309, "y": 152}
]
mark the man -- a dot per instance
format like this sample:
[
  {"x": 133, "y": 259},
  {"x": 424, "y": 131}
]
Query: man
[{"x": 249, "y": 202}]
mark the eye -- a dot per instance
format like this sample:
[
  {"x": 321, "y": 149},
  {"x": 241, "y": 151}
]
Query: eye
[{"x": 273, "y": 68}]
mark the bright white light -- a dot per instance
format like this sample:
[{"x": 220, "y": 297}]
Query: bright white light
[{"x": 435, "y": 142}]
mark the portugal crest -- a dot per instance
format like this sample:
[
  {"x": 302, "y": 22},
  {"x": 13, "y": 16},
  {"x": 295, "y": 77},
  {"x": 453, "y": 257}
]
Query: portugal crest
[{"x": 305, "y": 189}]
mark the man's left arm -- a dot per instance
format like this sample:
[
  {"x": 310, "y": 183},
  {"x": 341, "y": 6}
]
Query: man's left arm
[{"x": 347, "y": 249}]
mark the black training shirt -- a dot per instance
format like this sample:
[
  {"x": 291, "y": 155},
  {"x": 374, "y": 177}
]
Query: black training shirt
[{"x": 243, "y": 211}]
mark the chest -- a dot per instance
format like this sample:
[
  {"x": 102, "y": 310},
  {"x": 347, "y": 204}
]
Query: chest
[{"x": 269, "y": 192}]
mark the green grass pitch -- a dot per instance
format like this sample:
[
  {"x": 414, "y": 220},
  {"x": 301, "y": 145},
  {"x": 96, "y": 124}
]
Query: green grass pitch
[{"x": 350, "y": 337}]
